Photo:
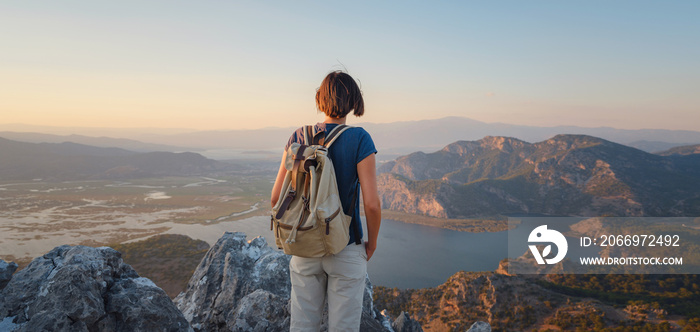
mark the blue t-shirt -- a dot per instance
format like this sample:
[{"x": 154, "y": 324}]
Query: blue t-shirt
[{"x": 351, "y": 147}]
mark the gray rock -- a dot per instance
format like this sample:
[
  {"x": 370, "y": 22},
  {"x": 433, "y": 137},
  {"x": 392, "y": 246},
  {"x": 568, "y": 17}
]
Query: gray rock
[
  {"x": 85, "y": 289},
  {"x": 404, "y": 323},
  {"x": 6, "y": 271},
  {"x": 372, "y": 319},
  {"x": 220, "y": 294},
  {"x": 480, "y": 326},
  {"x": 259, "y": 311},
  {"x": 244, "y": 286}
]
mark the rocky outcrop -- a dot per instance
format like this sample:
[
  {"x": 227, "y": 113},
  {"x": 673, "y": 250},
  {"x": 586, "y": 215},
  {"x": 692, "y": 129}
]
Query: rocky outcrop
[
  {"x": 480, "y": 326},
  {"x": 507, "y": 303},
  {"x": 244, "y": 285},
  {"x": 85, "y": 289},
  {"x": 404, "y": 323},
  {"x": 502, "y": 302},
  {"x": 396, "y": 195},
  {"x": 6, "y": 271},
  {"x": 238, "y": 284}
]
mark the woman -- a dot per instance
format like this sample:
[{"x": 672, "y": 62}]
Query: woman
[{"x": 340, "y": 278}]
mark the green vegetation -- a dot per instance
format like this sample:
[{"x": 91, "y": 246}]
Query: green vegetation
[
  {"x": 689, "y": 325},
  {"x": 677, "y": 294},
  {"x": 423, "y": 187},
  {"x": 467, "y": 297},
  {"x": 169, "y": 260},
  {"x": 462, "y": 225},
  {"x": 563, "y": 302},
  {"x": 228, "y": 194}
]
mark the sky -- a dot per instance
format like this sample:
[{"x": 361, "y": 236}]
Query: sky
[{"x": 214, "y": 65}]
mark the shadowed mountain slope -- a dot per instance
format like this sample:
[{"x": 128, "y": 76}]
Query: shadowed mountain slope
[
  {"x": 71, "y": 161},
  {"x": 681, "y": 150}
]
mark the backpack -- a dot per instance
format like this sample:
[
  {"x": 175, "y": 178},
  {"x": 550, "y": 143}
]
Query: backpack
[{"x": 308, "y": 219}]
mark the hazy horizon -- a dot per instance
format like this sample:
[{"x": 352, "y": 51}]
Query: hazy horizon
[{"x": 19, "y": 127}]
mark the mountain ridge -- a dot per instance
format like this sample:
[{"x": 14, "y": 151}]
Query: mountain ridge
[
  {"x": 70, "y": 161},
  {"x": 97, "y": 141},
  {"x": 392, "y": 138},
  {"x": 681, "y": 150},
  {"x": 564, "y": 175}
]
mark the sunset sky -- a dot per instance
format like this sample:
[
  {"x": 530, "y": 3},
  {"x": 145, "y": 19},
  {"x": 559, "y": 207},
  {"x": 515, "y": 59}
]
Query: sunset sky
[{"x": 235, "y": 65}]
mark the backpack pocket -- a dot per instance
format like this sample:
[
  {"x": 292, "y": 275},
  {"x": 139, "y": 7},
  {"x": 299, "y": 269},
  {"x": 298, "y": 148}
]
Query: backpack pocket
[{"x": 336, "y": 233}]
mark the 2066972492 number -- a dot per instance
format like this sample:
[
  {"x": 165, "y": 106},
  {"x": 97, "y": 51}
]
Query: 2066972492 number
[{"x": 639, "y": 240}]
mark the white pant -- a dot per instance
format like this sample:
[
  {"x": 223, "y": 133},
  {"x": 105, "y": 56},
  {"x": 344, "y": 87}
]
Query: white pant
[{"x": 340, "y": 277}]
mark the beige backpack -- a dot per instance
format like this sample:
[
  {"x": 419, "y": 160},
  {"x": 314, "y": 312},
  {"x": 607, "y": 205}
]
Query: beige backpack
[{"x": 308, "y": 219}]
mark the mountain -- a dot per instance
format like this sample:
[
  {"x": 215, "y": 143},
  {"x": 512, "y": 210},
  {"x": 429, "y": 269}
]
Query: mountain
[
  {"x": 435, "y": 133},
  {"x": 104, "y": 142},
  {"x": 654, "y": 146},
  {"x": 681, "y": 150},
  {"x": 392, "y": 139},
  {"x": 71, "y": 161},
  {"x": 91, "y": 131},
  {"x": 565, "y": 175},
  {"x": 401, "y": 137}
]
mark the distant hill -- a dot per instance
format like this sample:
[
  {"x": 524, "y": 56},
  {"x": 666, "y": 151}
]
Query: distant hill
[
  {"x": 423, "y": 135},
  {"x": 71, "y": 161},
  {"x": 392, "y": 139},
  {"x": 681, "y": 150},
  {"x": 654, "y": 146},
  {"x": 427, "y": 134},
  {"x": 105, "y": 142},
  {"x": 565, "y": 175}
]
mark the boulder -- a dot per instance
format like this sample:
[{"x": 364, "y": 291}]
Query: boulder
[
  {"x": 78, "y": 288},
  {"x": 6, "y": 271},
  {"x": 404, "y": 323},
  {"x": 234, "y": 277},
  {"x": 480, "y": 326}
]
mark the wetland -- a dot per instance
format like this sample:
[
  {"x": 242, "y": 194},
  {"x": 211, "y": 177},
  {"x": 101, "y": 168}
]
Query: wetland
[{"x": 36, "y": 216}]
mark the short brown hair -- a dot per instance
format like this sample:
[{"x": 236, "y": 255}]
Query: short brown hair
[{"x": 338, "y": 95}]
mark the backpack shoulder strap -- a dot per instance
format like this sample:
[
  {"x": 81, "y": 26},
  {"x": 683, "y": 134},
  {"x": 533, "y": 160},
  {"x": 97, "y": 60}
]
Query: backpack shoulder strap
[
  {"x": 317, "y": 136},
  {"x": 308, "y": 135},
  {"x": 334, "y": 134}
]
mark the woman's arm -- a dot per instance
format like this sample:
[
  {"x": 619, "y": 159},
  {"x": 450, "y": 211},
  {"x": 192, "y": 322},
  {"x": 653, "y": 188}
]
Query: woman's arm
[
  {"x": 367, "y": 173},
  {"x": 278, "y": 182}
]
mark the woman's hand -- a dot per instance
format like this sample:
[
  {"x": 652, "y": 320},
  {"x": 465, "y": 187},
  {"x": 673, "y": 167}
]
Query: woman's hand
[{"x": 369, "y": 249}]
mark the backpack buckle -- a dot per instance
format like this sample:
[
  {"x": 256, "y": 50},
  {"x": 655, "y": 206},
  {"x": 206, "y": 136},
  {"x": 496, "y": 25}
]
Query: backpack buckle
[{"x": 306, "y": 202}]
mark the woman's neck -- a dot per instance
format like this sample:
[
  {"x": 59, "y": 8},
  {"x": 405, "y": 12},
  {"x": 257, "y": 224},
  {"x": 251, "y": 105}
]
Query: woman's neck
[{"x": 335, "y": 120}]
